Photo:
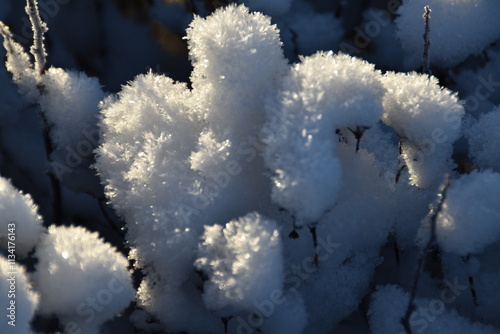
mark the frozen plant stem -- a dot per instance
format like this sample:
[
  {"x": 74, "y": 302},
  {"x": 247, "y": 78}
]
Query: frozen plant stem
[
  {"x": 49, "y": 146},
  {"x": 225, "y": 321},
  {"x": 38, "y": 51},
  {"x": 296, "y": 50},
  {"x": 402, "y": 163},
  {"x": 427, "y": 42},
  {"x": 54, "y": 181},
  {"x": 472, "y": 288},
  {"x": 7, "y": 36},
  {"x": 358, "y": 134},
  {"x": 39, "y": 29},
  {"x": 315, "y": 245},
  {"x": 433, "y": 213},
  {"x": 293, "y": 234},
  {"x": 399, "y": 172}
]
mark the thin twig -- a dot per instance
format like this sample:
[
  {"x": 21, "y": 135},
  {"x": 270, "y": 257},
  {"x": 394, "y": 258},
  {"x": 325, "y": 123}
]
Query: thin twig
[
  {"x": 38, "y": 51},
  {"x": 54, "y": 181},
  {"x": 358, "y": 134},
  {"x": 396, "y": 252},
  {"x": 39, "y": 29},
  {"x": 295, "y": 43},
  {"x": 432, "y": 216},
  {"x": 471, "y": 282},
  {"x": 312, "y": 229},
  {"x": 399, "y": 172},
  {"x": 8, "y": 38},
  {"x": 427, "y": 42},
  {"x": 293, "y": 234},
  {"x": 225, "y": 321},
  {"x": 191, "y": 7}
]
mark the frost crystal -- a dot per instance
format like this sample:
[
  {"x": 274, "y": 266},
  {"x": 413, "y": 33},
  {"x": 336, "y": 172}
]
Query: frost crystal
[
  {"x": 17, "y": 290},
  {"x": 427, "y": 119},
  {"x": 237, "y": 59},
  {"x": 80, "y": 278},
  {"x": 18, "y": 209},
  {"x": 317, "y": 97},
  {"x": 243, "y": 262},
  {"x": 469, "y": 221},
  {"x": 70, "y": 103}
]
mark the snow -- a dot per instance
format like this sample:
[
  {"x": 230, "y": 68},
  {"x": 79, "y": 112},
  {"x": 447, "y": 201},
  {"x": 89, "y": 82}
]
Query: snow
[
  {"x": 478, "y": 83},
  {"x": 19, "y": 64},
  {"x": 389, "y": 304},
  {"x": 468, "y": 222},
  {"x": 484, "y": 141},
  {"x": 288, "y": 314},
  {"x": 230, "y": 99},
  {"x": 19, "y": 291},
  {"x": 243, "y": 262},
  {"x": 149, "y": 126},
  {"x": 300, "y": 131},
  {"x": 427, "y": 119},
  {"x": 458, "y": 29},
  {"x": 147, "y": 117},
  {"x": 19, "y": 210},
  {"x": 70, "y": 103},
  {"x": 80, "y": 278},
  {"x": 359, "y": 216},
  {"x": 271, "y": 193}
]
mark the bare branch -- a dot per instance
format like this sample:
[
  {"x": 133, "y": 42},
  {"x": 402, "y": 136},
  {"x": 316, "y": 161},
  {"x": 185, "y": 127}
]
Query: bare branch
[
  {"x": 427, "y": 42},
  {"x": 312, "y": 229},
  {"x": 19, "y": 64},
  {"x": 432, "y": 216},
  {"x": 8, "y": 38},
  {"x": 39, "y": 29}
]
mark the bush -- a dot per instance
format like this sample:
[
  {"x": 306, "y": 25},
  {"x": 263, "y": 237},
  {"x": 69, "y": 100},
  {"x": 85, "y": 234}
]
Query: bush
[{"x": 290, "y": 186}]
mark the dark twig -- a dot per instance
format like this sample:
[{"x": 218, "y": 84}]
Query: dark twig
[
  {"x": 358, "y": 134},
  {"x": 432, "y": 216},
  {"x": 396, "y": 252},
  {"x": 191, "y": 7},
  {"x": 402, "y": 163},
  {"x": 400, "y": 144},
  {"x": 295, "y": 43},
  {"x": 427, "y": 42},
  {"x": 339, "y": 9},
  {"x": 472, "y": 287},
  {"x": 293, "y": 234},
  {"x": 473, "y": 291},
  {"x": 225, "y": 321},
  {"x": 39, "y": 29},
  {"x": 399, "y": 172},
  {"x": 315, "y": 244},
  {"x": 54, "y": 181}
]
